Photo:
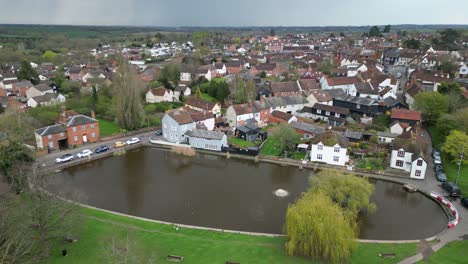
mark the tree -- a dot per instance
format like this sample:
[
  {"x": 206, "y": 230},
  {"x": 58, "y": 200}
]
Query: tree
[
  {"x": 448, "y": 65},
  {"x": 284, "y": 136},
  {"x": 351, "y": 192},
  {"x": 454, "y": 143},
  {"x": 49, "y": 55},
  {"x": 125, "y": 250},
  {"x": 198, "y": 93},
  {"x": 461, "y": 117},
  {"x": 325, "y": 66},
  {"x": 342, "y": 34},
  {"x": 272, "y": 32},
  {"x": 127, "y": 91},
  {"x": 446, "y": 123},
  {"x": 15, "y": 164},
  {"x": 170, "y": 74},
  {"x": 263, "y": 74},
  {"x": 412, "y": 43},
  {"x": 387, "y": 29},
  {"x": 446, "y": 88},
  {"x": 26, "y": 72},
  {"x": 374, "y": 32},
  {"x": 319, "y": 228},
  {"x": 18, "y": 126},
  {"x": 431, "y": 105}
]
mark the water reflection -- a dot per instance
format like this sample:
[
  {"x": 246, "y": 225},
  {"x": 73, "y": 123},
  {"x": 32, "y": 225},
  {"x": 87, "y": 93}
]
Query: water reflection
[{"x": 234, "y": 194}]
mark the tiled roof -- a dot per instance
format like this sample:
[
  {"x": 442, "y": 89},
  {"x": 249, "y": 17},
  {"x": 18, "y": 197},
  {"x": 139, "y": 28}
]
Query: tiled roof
[
  {"x": 278, "y": 87},
  {"x": 180, "y": 116},
  {"x": 199, "y": 103},
  {"x": 330, "y": 138},
  {"x": 78, "y": 120},
  {"x": 342, "y": 81},
  {"x": 50, "y": 130},
  {"x": 405, "y": 114},
  {"x": 334, "y": 109}
]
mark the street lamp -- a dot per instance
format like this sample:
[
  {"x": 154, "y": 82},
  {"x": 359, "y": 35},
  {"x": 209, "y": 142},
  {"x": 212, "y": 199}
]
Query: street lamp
[{"x": 460, "y": 163}]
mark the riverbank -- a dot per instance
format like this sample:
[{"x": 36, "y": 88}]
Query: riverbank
[{"x": 197, "y": 246}]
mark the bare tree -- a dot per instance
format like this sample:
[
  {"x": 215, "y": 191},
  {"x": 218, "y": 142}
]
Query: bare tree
[{"x": 124, "y": 250}]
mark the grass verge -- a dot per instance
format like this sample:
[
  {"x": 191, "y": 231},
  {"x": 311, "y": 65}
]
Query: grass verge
[
  {"x": 452, "y": 253},
  {"x": 197, "y": 246},
  {"x": 107, "y": 128}
]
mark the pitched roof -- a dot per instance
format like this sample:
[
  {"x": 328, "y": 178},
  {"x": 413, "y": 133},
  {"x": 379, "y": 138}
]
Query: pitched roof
[
  {"x": 281, "y": 115},
  {"x": 198, "y": 116},
  {"x": 342, "y": 81},
  {"x": 78, "y": 120},
  {"x": 366, "y": 88},
  {"x": 200, "y": 133},
  {"x": 42, "y": 87},
  {"x": 399, "y": 113},
  {"x": 45, "y": 98},
  {"x": 307, "y": 127},
  {"x": 199, "y": 103},
  {"x": 278, "y": 87},
  {"x": 50, "y": 130},
  {"x": 160, "y": 91},
  {"x": 329, "y": 108},
  {"x": 309, "y": 84},
  {"x": 242, "y": 109},
  {"x": 352, "y": 134},
  {"x": 322, "y": 95},
  {"x": 180, "y": 116},
  {"x": 330, "y": 138}
]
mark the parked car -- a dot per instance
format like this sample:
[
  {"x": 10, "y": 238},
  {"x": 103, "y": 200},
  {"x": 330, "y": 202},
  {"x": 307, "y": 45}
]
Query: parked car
[
  {"x": 438, "y": 167},
  {"x": 437, "y": 160},
  {"x": 64, "y": 158},
  {"x": 158, "y": 133},
  {"x": 119, "y": 144},
  {"x": 101, "y": 149},
  {"x": 84, "y": 153},
  {"x": 451, "y": 188},
  {"x": 435, "y": 153},
  {"x": 133, "y": 141},
  {"x": 441, "y": 176},
  {"x": 464, "y": 202}
]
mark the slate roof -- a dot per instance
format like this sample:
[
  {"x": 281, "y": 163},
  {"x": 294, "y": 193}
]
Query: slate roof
[
  {"x": 23, "y": 84},
  {"x": 78, "y": 120},
  {"x": 307, "y": 127},
  {"x": 386, "y": 134},
  {"x": 200, "y": 133},
  {"x": 357, "y": 100},
  {"x": 352, "y": 134},
  {"x": 42, "y": 87},
  {"x": 51, "y": 130},
  {"x": 366, "y": 88},
  {"x": 45, "y": 98},
  {"x": 334, "y": 109}
]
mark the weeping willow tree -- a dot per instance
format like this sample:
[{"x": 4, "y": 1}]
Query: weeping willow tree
[
  {"x": 322, "y": 224},
  {"x": 319, "y": 228},
  {"x": 127, "y": 93}
]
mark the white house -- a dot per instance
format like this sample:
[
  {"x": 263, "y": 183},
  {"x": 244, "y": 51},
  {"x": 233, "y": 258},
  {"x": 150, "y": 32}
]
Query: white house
[
  {"x": 386, "y": 137},
  {"x": 463, "y": 71},
  {"x": 38, "y": 90},
  {"x": 331, "y": 148},
  {"x": 220, "y": 69},
  {"x": 344, "y": 83},
  {"x": 398, "y": 128},
  {"x": 203, "y": 105},
  {"x": 182, "y": 89},
  {"x": 408, "y": 155},
  {"x": 204, "y": 139},
  {"x": 353, "y": 70},
  {"x": 239, "y": 113},
  {"x": 319, "y": 97},
  {"x": 45, "y": 100},
  {"x": 185, "y": 76},
  {"x": 174, "y": 125},
  {"x": 160, "y": 94}
]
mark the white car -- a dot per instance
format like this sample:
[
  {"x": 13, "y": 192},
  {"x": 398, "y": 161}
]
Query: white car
[
  {"x": 64, "y": 158},
  {"x": 85, "y": 153},
  {"x": 133, "y": 141}
]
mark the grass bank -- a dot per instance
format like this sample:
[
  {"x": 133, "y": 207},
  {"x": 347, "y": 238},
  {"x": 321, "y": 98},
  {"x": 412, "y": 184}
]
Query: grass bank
[
  {"x": 107, "y": 128},
  {"x": 197, "y": 246},
  {"x": 452, "y": 253}
]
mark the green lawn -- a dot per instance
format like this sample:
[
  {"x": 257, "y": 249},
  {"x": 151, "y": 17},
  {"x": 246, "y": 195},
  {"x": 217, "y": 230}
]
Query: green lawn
[
  {"x": 241, "y": 143},
  {"x": 207, "y": 97},
  {"x": 269, "y": 148},
  {"x": 371, "y": 164},
  {"x": 197, "y": 246},
  {"x": 107, "y": 128},
  {"x": 452, "y": 253},
  {"x": 297, "y": 155}
]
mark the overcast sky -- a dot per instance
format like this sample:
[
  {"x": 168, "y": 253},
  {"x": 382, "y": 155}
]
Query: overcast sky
[{"x": 234, "y": 13}]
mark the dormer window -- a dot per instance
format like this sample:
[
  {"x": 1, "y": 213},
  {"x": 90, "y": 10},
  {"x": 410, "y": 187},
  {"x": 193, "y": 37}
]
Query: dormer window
[
  {"x": 320, "y": 147},
  {"x": 327, "y": 113},
  {"x": 419, "y": 163},
  {"x": 319, "y": 111},
  {"x": 337, "y": 149},
  {"x": 401, "y": 153}
]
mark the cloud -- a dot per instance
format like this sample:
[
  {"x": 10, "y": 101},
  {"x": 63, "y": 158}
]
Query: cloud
[{"x": 234, "y": 13}]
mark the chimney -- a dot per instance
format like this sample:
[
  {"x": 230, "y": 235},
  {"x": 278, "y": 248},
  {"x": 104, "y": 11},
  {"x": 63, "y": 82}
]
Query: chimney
[{"x": 93, "y": 115}]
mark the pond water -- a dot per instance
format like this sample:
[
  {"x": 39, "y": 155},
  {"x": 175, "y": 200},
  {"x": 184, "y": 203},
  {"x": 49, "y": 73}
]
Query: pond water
[{"x": 233, "y": 194}]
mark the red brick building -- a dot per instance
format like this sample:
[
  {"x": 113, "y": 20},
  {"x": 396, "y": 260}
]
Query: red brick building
[{"x": 69, "y": 131}]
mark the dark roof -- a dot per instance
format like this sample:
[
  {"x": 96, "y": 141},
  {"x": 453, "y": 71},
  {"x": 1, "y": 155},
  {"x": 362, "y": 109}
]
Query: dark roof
[
  {"x": 42, "y": 87},
  {"x": 278, "y": 87},
  {"x": 330, "y": 138},
  {"x": 24, "y": 84},
  {"x": 418, "y": 148},
  {"x": 366, "y": 88},
  {"x": 357, "y": 100},
  {"x": 334, "y": 109},
  {"x": 181, "y": 88},
  {"x": 281, "y": 115},
  {"x": 78, "y": 120},
  {"x": 200, "y": 133},
  {"x": 45, "y": 98},
  {"x": 307, "y": 127},
  {"x": 50, "y": 130},
  {"x": 352, "y": 134}
]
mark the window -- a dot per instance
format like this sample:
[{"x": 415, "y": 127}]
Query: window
[
  {"x": 337, "y": 115},
  {"x": 319, "y": 111},
  {"x": 174, "y": 128},
  {"x": 49, "y": 136},
  {"x": 401, "y": 153},
  {"x": 337, "y": 149},
  {"x": 176, "y": 136},
  {"x": 320, "y": 147},
  {"x": 336, "y": 158},
  {"x": 75, "y": 138},
  {"x": 327, "y": 113},
  {"x": 51, "y": 144},
  {"x": 164, "y": 125},
  {"x": 399, "y": 163},
  {"x": 171, "y": 135},
  {"x": 319, "y": 156},
  {"x": 92, "y": 125},
  {"x": 62, "y": 134},
  {"x": 83, "y": 127},
  {"x": 93, "y": 135},
  {"x": 417, "y": 173},
  {"x": 358, "y": 106},
  {"x": 74, "y": 129},
  {"x": 419, "y": 163}
]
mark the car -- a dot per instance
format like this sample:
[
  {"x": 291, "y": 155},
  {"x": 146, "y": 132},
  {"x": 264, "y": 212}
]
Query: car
[
  {"x": 451, "y": 188},
  {"x": 119, "y": 144},
  {"x": 158, "y": 133},
  {"x": 133, "y": 141},
  {"x": 441, "y": 176},
  {"x": 435, "y": 153},
  {"x": 64, "y": 158},
  {"x": 437, "y": 160},
  {"x": 464, "y": 202},
  {"x": 101, "y": 149},
  {"x": 438, "y": 167},
  {"x": 84, "y": 153}
]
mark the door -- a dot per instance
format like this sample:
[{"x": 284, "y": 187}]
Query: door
[{"x": 85, "y": 139}]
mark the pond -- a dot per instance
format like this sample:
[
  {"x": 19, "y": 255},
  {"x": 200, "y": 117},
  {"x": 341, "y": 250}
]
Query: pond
[{"x": 232, "y": 194}]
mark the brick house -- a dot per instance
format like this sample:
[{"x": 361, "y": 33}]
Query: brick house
[{"x": 71, "y": 130}]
